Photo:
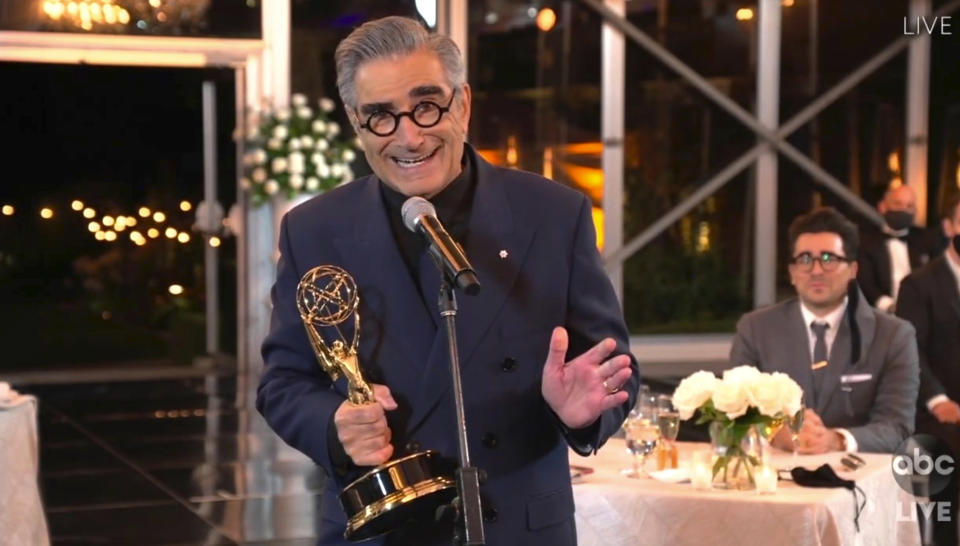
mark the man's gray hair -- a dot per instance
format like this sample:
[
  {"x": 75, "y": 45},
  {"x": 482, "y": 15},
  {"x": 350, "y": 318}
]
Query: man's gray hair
[{"x": 390, "y": 37}]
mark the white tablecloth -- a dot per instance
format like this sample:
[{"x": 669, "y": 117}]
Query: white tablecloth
[
  {"x": 22, "y": 521},
  {"x": 615, "y": 510}
]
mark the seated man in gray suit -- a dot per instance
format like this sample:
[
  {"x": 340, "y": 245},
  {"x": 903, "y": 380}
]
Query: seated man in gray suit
[{"x": 858, "y": 366}]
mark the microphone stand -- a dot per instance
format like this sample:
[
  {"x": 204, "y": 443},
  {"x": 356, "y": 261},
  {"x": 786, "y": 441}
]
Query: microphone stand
[{"x": 469, "y": 524}]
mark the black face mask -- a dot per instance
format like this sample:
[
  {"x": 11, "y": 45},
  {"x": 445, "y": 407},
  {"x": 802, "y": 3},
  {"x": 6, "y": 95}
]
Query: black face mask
[
  {"x": 898, "y": 219},
  {"x": 824, "y": 476}
]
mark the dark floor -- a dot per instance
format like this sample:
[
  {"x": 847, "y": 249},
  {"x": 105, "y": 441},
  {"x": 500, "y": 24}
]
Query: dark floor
[{"x": 168, "y": 461}]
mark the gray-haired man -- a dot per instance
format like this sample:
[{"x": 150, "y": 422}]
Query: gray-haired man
[{"x": 543, "y": 347}]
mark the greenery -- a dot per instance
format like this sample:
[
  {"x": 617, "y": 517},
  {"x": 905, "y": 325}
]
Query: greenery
[
  {"x": 684, "y": 280},
  {"x": 730, "y": 433},
  {"x": 296, "y": 150},
  {"x": 65, "y": 335}
]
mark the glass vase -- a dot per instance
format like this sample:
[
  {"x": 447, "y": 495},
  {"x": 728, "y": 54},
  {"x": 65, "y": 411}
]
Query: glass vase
[{"x": 737, "y": 453}]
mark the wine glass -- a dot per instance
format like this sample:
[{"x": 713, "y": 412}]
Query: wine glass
[
  {"x": 642, "y": 433},
  {"x": 668, "y": 418},
  {"x": 795, "y": 423}
]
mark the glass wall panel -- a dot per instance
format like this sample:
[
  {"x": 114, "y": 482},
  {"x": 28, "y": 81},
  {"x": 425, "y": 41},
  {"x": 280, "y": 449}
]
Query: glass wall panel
[
  {"x": 98, "y": 258},
  {"x": 696, "y": 277},
  {"x": 535, "y": 73},
  {"x": 944, "y": 164}
]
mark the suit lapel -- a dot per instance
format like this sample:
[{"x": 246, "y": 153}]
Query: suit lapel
[
  {"x": 429, "y": 275},
  {"x": 390, "y": 305},
  {"x": 840, "y": 353},
  {"x": 947, "y": 285},
  {"x": 496, "y": 247},
  {"x": 916, "y": 249}
]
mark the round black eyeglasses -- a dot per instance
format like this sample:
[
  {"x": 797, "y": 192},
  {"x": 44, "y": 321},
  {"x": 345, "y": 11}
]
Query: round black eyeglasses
[{"x": 425, "y": 114}]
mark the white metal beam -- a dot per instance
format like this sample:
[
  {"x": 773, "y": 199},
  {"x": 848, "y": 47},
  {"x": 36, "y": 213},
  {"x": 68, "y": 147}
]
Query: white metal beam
[
  {"x": 918, "y": 110},
  {"x": 99, "y": 49},
  {"x": 612, "y": 119},
  {"x": 210, "y": 253},
  {"x": 768, "y": 105},
  {"x": 453, "y": 21},
  {"x": 272, "y": 87}
]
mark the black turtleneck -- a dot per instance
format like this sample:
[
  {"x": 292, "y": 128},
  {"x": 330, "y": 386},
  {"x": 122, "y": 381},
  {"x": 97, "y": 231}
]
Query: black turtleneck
[{"x": 453, "y": 205}]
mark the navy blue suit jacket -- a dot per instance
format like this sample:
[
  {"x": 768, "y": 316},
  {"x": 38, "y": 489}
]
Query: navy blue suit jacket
[{"x": 549, "y": 275}]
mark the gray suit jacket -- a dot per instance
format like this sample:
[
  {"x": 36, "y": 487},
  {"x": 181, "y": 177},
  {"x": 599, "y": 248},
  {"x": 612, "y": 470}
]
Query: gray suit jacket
[{"x": 874, "y": 398}]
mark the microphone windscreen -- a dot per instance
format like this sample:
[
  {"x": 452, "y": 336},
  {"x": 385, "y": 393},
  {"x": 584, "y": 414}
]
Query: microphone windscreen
[{"x": 413, "y": 208}]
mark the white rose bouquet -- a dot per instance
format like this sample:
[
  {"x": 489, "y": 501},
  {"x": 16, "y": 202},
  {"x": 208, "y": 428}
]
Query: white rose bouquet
[
  {"x": 745, "y": 399},
  {"x": 296, "y": 150}
]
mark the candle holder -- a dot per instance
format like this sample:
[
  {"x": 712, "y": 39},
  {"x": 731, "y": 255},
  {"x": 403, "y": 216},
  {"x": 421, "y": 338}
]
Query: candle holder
[
  {"x": 701, "y": 473},
  {"x": 766, "y": 480}
]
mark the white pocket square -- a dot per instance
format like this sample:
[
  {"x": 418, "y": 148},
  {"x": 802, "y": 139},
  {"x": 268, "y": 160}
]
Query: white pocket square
[{"x": 855, "y": 378}]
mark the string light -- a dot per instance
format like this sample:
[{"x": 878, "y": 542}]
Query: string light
[
  {"x": 87, "y": 13},
  {"x": 175, "y": 289},
  {"x": 107, "y": 227},
  {"x": 546, "y": 18},
  {"x": 214, "y": 241}
]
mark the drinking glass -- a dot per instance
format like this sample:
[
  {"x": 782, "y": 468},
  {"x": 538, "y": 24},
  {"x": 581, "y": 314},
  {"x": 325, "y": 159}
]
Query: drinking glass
[
  {"x": 668, "y": 418},
  {"x": 642, "y": 432},
  {"x": 795, "y": 423}
]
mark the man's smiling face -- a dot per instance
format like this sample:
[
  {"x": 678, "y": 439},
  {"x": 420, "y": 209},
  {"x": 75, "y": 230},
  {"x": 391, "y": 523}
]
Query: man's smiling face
[{"x": 413, "y": 160}]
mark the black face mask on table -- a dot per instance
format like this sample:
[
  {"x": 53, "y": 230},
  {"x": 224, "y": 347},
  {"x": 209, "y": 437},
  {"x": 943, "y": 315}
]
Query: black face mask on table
[
  {"x": 898, "y": 219},
  {"x": 824, "y": 476}
]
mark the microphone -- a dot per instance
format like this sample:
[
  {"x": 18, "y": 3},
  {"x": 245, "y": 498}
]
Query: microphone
[{"x": 420, "y": 216}]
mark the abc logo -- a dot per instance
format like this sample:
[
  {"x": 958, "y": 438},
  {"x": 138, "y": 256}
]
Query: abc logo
[{"x": 922, "y": 464}]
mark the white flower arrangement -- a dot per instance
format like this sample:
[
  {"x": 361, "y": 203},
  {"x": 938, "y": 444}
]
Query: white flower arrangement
[
  {"x": 744, "y": 394},
  {"x": 296, "y": 150},
  {"x": 744, "y": 399}
]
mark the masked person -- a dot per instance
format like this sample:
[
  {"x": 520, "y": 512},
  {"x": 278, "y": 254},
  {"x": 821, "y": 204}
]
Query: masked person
[
  {"x": 930, "y": 299},
  {"x": 891, "y": 253}
]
